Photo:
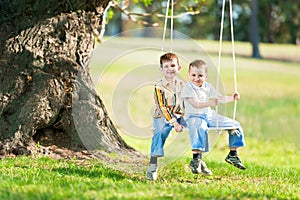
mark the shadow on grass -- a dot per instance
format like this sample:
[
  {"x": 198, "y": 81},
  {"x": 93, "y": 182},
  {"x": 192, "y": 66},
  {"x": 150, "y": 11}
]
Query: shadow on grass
[
  {"x": 47, "y": 165},
  {"x": 228, "y": 182},
  {"x": 224, "y": 173},
  {"x": 99, "y": 172},
  {"x": 175, "y": 181}
]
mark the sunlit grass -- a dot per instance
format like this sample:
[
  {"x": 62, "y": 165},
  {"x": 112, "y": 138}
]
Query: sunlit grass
[
  {"x": 66, "y": 180},
  {"x": 269, "y": 111}
]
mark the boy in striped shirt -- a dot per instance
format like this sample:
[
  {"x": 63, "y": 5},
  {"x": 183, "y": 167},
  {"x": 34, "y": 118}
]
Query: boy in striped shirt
[{"x": 168, "y": 113}]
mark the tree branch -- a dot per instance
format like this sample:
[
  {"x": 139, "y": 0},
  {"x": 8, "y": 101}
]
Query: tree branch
[
  {"x": 189, "y": 10},
  {"x": 135, "y": 17}
]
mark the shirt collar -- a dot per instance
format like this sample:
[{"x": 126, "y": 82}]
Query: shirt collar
[
  {"x": 166, "y": 83},
  {"x": 204, "y": 85}
]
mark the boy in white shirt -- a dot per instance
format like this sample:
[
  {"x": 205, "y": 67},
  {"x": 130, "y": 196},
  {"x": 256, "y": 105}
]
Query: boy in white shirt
[{"x": 198, "y": 96}]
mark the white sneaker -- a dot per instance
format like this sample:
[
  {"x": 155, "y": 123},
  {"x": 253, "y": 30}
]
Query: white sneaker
[
  {"x": 198, "y": 166},
  {"x": 152, "y": 172},
  {"x": 204, "y": 169}
]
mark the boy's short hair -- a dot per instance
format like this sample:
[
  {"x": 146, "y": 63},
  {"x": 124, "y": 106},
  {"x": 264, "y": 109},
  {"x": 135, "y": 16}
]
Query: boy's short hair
[
  {"x": 198, "y": 64},
  {"x": 168, "y": 57}
]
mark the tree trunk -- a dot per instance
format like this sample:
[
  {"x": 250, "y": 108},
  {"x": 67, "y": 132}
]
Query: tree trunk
[
  {"x": 254, "y": 33},
  {"x": 45, "y": 88}
]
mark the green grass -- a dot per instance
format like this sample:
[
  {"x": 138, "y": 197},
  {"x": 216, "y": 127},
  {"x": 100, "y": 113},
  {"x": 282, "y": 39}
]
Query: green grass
[
  {"x": 44, "y": 178},
  {"x": 269, "y": 111}
]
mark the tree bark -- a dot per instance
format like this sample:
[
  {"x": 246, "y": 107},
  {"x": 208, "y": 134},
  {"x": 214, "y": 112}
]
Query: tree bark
[
  {"x": 45, "y": 86},
  {"x": 254, "y": 33}
]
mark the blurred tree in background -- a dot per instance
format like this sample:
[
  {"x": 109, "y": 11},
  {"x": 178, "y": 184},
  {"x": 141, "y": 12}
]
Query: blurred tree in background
[{"x": 254, "y": 21}]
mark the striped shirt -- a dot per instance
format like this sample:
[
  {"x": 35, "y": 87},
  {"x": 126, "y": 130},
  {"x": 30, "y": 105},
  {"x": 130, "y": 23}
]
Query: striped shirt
[{"x": 167, "y": 99}]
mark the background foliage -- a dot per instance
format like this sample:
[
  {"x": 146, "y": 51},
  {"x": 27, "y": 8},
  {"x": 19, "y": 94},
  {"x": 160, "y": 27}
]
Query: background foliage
[{"x": 279, "y": 21}]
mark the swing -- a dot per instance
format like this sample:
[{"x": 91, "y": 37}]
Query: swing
[{"x": 217, "y": 128}]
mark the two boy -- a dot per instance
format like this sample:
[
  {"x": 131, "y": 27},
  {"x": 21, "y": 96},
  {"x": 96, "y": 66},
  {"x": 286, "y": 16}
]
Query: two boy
[{"x": 198, "y": 96}]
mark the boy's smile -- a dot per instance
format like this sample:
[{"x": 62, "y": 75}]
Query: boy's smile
[
  {"x": 170, "y": 69},
  {"x": 197, "y": 76}
]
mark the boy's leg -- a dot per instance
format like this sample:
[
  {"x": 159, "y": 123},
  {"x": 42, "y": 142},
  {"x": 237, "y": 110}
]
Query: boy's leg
[
  {"x": 198, "y": 133},
  {"x": 198, "y": 165},
  {"x": 233, "y": 159},
  {"x": 161, "y": 132},
  {"x": 199, "y": 141},
  {"x": 236, "y": 138},
  {"x": 152, "y": 171}
]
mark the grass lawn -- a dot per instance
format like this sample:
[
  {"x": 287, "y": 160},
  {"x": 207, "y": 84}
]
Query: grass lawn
[{"x": 124, "y": 71}]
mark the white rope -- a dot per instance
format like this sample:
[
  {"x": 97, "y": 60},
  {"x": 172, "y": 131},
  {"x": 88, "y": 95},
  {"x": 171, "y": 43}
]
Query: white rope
[
  {"x": 233, "y": 58},
  {"x": 219, "y": 57},
  {"x": 165, "y": 26},
  {"x": 164, "y": 34},
  {"x": 171, "y": 36},
  {"x": 165, "y": 30}
]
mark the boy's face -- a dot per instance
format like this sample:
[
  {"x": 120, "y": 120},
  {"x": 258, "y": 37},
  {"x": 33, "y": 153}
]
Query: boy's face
[
  {"x": 170, "y": 69},
  {"x": 197, "y": 75}
]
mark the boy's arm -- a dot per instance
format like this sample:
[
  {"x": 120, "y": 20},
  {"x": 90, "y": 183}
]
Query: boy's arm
[
  {"x": 212, "y": 102},
  {"x": 227, "y": 99},
  {"x": 160, "y": 101}
]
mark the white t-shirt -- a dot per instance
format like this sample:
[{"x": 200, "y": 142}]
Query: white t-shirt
[{"x": 200, "y": 94}]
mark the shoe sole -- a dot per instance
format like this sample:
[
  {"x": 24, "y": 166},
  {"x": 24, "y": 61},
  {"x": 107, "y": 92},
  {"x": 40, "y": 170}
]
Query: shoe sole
[
  {"x": 206, "y": 174},
  {"x": 150, "y": 179},
  {"x": 237, "y": 166}
]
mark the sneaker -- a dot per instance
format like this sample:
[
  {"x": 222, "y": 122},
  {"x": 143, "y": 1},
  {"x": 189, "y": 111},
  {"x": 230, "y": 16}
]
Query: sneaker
[
  {"x": 235, "y": 161},
  {"x": 152, "y": 172},
  {"x": 198, "y": 166}
]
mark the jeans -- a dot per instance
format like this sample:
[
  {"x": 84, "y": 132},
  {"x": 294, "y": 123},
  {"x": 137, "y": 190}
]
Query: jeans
[
  {"x": 162, "y": 130},
  {"x": 198, "y": 127}
]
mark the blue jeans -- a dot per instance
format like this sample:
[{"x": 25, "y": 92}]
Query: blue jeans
[
  {"x": 162, "y": 130},
  {"x": 198, "y": 126}
]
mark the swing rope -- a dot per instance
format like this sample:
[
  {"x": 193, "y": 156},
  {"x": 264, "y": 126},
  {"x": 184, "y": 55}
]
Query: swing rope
[
  {"x": 220, "y": 46},
  {"x": 233, "y": 56},
  {"x": 165, "y": 30},
  {"x": 165, "y": 26},
  {"x": 219, "y": 58}
]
